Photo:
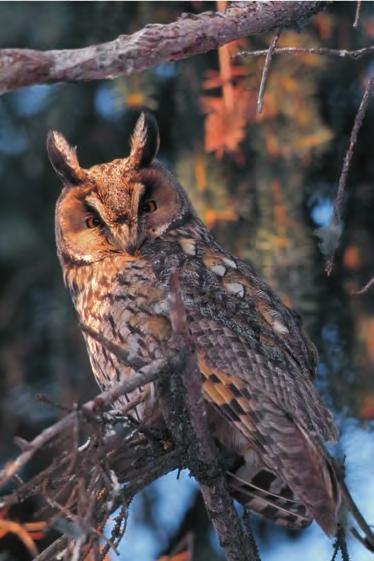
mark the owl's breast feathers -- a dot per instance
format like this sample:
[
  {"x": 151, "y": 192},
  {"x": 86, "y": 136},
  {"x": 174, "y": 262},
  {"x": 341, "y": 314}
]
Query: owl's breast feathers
[
  {"x": 120, "y": 299},
  {"x": 257, "y": 365}
]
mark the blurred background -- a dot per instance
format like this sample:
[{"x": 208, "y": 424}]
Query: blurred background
[{"x": 263, "y": 184}]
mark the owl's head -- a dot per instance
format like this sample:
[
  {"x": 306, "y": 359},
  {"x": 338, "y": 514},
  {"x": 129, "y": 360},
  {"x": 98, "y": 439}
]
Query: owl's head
[{"x": 115, "y": 207}]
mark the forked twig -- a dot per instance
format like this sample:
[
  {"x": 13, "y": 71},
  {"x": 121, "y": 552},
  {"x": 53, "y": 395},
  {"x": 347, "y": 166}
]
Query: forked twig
[
  {"x": 364, "y": 289},
  {"x": 339, "y": 199},
  {"x": 368, "y": 539},
  {"x": 325, "y": 51},
  {"x": 357, "y": 15},
  {"x": 265, "y": 72}
]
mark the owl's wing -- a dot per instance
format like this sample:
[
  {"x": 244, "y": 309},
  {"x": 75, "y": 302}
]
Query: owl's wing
[{"x": 257, "y": 366}]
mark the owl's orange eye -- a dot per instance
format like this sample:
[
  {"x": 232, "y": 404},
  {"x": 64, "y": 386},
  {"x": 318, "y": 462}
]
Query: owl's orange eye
[
  {"x": 93, "y": 222},
  {"x": 149, "y": 206}
]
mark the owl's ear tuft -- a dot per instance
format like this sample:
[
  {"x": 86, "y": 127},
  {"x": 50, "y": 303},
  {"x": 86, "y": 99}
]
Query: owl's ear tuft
[
  {"x": 145, "y": 141},
  {"x": 63, "y": 158}
]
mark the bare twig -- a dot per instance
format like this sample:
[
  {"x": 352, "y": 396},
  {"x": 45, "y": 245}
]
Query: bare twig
[
  {"x": 368, "y": 539},
  {"x": 365, "y": 288},
  {"x": 362, "y": 539},
  {"x": 251, "y": 538},
  {"x": 84, "y": 485},
  {"x": 342, "y": 543},
  {"x": 339, "y": 199},
  {"x": 48, "y": 401},
  {"x": 325, "y": 51},
  {"x": 265, "y": 71},
  {"x": 119, "y": 351},
  {"x": 189, "y": 35},
  {"x": 147, "y": 374},
  {"x": 118, "y": 532},
  {"x": 336, "y": 550},
  {"x": 55, "y": 551},
  {"x": 357, "y": 15}
]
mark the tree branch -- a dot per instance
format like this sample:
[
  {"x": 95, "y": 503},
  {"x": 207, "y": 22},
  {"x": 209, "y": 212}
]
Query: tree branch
[
  {"x": 144, "y": 376},
  {"x": 365, "y": 288},
  {"x": 185, "y": 413},
  {"x": 325, "y": 51},
  {"x": 265, "y": 72},
  {"x": 189, "y": 35}
]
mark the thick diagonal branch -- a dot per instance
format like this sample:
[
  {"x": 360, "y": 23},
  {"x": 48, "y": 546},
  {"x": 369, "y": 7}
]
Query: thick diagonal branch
[
  {"x": 189, "y": 35},
  {"x": 185, "y": 413}
]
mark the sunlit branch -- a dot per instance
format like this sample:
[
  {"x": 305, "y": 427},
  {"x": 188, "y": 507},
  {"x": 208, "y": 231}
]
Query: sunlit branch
[{"x": 127, "y": 54}]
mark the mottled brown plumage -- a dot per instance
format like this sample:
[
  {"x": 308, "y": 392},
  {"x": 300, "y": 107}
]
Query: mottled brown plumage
[{"x": 121, "y": 229}]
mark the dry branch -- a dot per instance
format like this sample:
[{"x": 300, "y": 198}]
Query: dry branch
[
  {"x": 85, "y": 484},
  {"x": 365, "y": 288},
  {"x": 145, "y": 375},
  {"x": 80, "y": 495},
  {"x": 265, "y": 72},
  {"x": 357, "y": 15},
  {"x": 324, "y": 51},
  {"x": 189, "y": 35}
]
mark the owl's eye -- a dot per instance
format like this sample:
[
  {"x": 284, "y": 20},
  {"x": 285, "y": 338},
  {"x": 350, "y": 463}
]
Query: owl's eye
[
  {"x": 149, "y": 206},
  {"x": 93, "y": 221}
]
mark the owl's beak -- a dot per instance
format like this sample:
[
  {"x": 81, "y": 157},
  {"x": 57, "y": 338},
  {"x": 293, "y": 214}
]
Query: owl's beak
[
  {"x": 127, "y": 238},
  {"x": 131, "y": 249}
]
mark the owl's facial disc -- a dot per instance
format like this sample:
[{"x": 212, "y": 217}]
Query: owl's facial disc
[{"x": 115, "y": 207}]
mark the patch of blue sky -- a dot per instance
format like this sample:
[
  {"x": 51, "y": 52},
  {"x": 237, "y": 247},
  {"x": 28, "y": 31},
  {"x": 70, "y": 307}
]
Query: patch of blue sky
[
  {"x": 165, "y": 70},
  {"x": 173, "y": 499},
  {"x": 13, "y": 137},
  {"x": 215, "y": 543},
  {"x": 322, "y": 211},
  {"x": 32, "y": 100},
  {"x": 330, "y": 334},
  {"x": 358, "y": 447},
  {"x": 312, "y": 545},
  {"x": 107, "y": 102},
  {"x": 139, "y": 542}
]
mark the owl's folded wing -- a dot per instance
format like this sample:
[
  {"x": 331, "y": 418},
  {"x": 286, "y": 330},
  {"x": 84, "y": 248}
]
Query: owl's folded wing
[{"x": 258, "y": 379}]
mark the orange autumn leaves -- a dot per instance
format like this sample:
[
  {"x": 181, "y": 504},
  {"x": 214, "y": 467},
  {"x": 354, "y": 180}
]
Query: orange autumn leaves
[
  {"x": 230, "y": 94},
  {"x": 228, "y": 114},
  {"x": 27, "y": 533}
]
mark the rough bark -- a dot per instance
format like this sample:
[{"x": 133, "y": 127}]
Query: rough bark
[{"x": 189, "y": 35}]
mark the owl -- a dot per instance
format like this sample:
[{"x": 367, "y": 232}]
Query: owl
[{"x": 122, "y": 229}]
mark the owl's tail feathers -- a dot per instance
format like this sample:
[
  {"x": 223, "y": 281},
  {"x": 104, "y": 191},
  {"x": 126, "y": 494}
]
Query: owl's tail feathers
[
  {"x": 310, "y": 474},
  {"x": 267, "y": 495}
]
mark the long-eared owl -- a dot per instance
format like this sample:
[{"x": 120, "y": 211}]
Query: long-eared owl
[{"x": 122, "y": 228}]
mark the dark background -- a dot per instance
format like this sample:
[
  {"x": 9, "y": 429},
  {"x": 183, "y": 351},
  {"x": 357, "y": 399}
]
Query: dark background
[{"x": 263, "y": 185}]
